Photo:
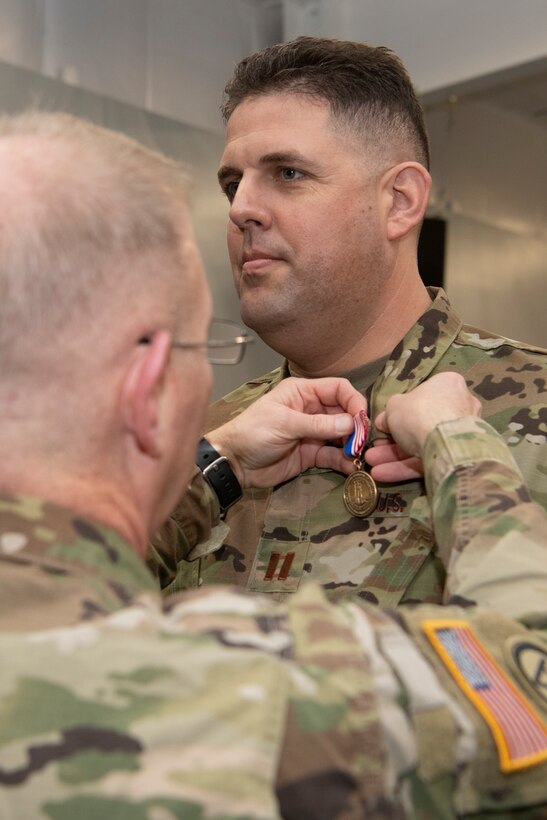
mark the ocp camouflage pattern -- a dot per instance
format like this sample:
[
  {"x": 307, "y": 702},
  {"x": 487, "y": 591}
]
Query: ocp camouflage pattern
[
  {"x": 301, "y": 530},
  {"x": 219, "y": 704}
]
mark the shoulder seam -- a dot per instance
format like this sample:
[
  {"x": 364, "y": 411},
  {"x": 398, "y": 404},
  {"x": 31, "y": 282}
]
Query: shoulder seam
[{"x": 470, "y": 330}]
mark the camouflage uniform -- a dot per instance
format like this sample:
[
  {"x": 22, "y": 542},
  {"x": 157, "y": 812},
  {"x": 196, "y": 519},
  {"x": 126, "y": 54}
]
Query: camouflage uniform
[
  {"x": 273, "y": 539},
  {"x": 117, "y": 703}
]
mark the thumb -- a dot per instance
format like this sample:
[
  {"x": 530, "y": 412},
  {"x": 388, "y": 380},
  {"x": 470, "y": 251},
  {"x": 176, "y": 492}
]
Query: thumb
[
  {"x": 321, "y": 425},
  {"x": 380, "y": 422}
]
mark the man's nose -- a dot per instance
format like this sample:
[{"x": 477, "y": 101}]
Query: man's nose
[{"x": 250, "y": 207}]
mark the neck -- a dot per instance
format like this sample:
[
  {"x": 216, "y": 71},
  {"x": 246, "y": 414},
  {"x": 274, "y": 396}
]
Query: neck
[{"x": 383, "y": 330}]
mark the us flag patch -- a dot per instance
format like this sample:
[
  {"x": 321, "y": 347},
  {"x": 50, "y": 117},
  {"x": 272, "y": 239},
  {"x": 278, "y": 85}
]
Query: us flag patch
[{"x": 519, "y": 732}]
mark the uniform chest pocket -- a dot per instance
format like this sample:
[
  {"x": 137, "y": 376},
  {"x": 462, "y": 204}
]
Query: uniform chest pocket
[{"x": 308, "y": 533}]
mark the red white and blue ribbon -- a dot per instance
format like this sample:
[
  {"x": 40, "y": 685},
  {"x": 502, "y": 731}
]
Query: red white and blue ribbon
[{"x": 355, "y": 444}]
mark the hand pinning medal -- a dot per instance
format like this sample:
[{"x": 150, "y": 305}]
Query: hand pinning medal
[{"x": 360, "y": 491}]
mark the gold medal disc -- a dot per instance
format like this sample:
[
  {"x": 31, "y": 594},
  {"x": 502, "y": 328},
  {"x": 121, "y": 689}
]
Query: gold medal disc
[{"x": 360, "y": 494}]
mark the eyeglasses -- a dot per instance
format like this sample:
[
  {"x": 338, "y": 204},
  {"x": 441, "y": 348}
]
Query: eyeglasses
[{"x": 226, "y": 344}]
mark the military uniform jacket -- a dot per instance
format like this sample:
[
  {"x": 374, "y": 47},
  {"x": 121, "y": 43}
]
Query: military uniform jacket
[
  {"x": 117, "y": 703},
  {"x": 274, "y": 539}
]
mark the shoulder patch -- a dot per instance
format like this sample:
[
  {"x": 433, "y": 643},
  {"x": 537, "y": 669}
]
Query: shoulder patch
[
  {"x": 527, "y": 658},
  {"x": 519, "y": 732}
]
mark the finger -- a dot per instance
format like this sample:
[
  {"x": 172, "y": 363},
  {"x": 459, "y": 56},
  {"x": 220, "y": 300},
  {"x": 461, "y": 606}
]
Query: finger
[
  {"x": 330, "y": 393},
  {"x": 333, "y": 458},
  {"x": 396, "y": 471},
  {"x": 380, "y": 453},
  {"x": 350, "y": 399},
  {"x": 380, "y": 422},
  {"x": 318, "y": 425}
]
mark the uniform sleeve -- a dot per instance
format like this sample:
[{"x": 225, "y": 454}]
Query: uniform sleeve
[
  {"x": 421, "y": 712},
  {"x": 431, "y": 711},
  {"x": 194, "y": 526},
  {"x": 461, "y": 706},
  {"x": 492, "y": 537}
]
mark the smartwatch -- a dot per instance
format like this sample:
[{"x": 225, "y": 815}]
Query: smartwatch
[{"x": 219, "y": 475}]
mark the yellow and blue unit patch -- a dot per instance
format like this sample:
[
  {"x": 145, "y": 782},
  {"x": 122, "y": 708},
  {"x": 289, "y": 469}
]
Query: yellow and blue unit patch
[{"x": 519, "y": 732}]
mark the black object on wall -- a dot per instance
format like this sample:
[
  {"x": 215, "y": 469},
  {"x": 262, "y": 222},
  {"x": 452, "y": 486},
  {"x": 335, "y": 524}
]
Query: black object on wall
[{"x": 431, "y": 251}]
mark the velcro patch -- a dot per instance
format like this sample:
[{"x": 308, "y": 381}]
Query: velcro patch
[
  {"x": 519, "y": 732},
  {"x": 528, "y": 661}
]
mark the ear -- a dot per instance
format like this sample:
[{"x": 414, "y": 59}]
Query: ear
[
  {"x": 142, "y": 393},
  {"x": 407, "y": 186}
]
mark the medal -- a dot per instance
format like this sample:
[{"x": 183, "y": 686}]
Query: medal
[{"x": 360, "y": 491}]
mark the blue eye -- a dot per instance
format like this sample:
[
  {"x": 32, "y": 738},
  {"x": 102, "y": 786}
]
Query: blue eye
[{"x": 290, "y": 173}]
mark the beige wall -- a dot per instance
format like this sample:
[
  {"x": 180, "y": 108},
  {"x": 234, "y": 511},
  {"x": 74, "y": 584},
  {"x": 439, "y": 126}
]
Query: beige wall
[
  {"x": 489, "y": 181},
  {"x": 173, "y": 56},
  {"x": 198, "y": 149}
]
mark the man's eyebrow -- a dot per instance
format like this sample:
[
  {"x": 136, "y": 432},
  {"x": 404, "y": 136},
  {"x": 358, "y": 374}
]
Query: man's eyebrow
[
  {"x": 275, "y": 157},
  {"x": 227, "y": 172},
  {"x": 285, "y": 157}
]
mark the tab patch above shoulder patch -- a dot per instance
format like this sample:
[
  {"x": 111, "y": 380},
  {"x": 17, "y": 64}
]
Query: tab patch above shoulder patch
[{"x": 519, "y": 732}]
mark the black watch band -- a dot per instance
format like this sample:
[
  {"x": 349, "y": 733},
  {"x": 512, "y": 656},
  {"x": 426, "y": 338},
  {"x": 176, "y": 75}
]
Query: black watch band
[{"x": 217, "y": 472}]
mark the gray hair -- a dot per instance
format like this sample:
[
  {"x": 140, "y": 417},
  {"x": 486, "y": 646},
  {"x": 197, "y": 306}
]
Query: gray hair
[
  {"x": 91, "y": 229},
  {"x": 92, "y": 257}
]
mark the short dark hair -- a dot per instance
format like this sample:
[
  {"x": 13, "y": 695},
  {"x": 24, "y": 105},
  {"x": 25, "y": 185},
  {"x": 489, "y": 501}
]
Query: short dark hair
[{"x": 367, "y": 87}]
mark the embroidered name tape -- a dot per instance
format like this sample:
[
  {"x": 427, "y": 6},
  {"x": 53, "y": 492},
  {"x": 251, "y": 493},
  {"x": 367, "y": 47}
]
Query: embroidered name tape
[{"x": 519, "y": 732}]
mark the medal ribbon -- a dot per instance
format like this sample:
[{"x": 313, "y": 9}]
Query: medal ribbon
[
  {"x": 355, "y": 444},
  {"x": 360, "y": 491}
]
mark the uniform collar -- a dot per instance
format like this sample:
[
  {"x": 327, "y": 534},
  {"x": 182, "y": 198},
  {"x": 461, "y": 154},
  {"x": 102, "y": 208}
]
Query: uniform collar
[
  {"x": 420, "y": 350},
  {"x": 58, "y": 540}
]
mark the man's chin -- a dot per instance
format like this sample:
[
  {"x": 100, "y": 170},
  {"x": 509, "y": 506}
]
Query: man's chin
[
  {"x": 261, "y": 320},
  {"x": 274, "y": 329}
]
